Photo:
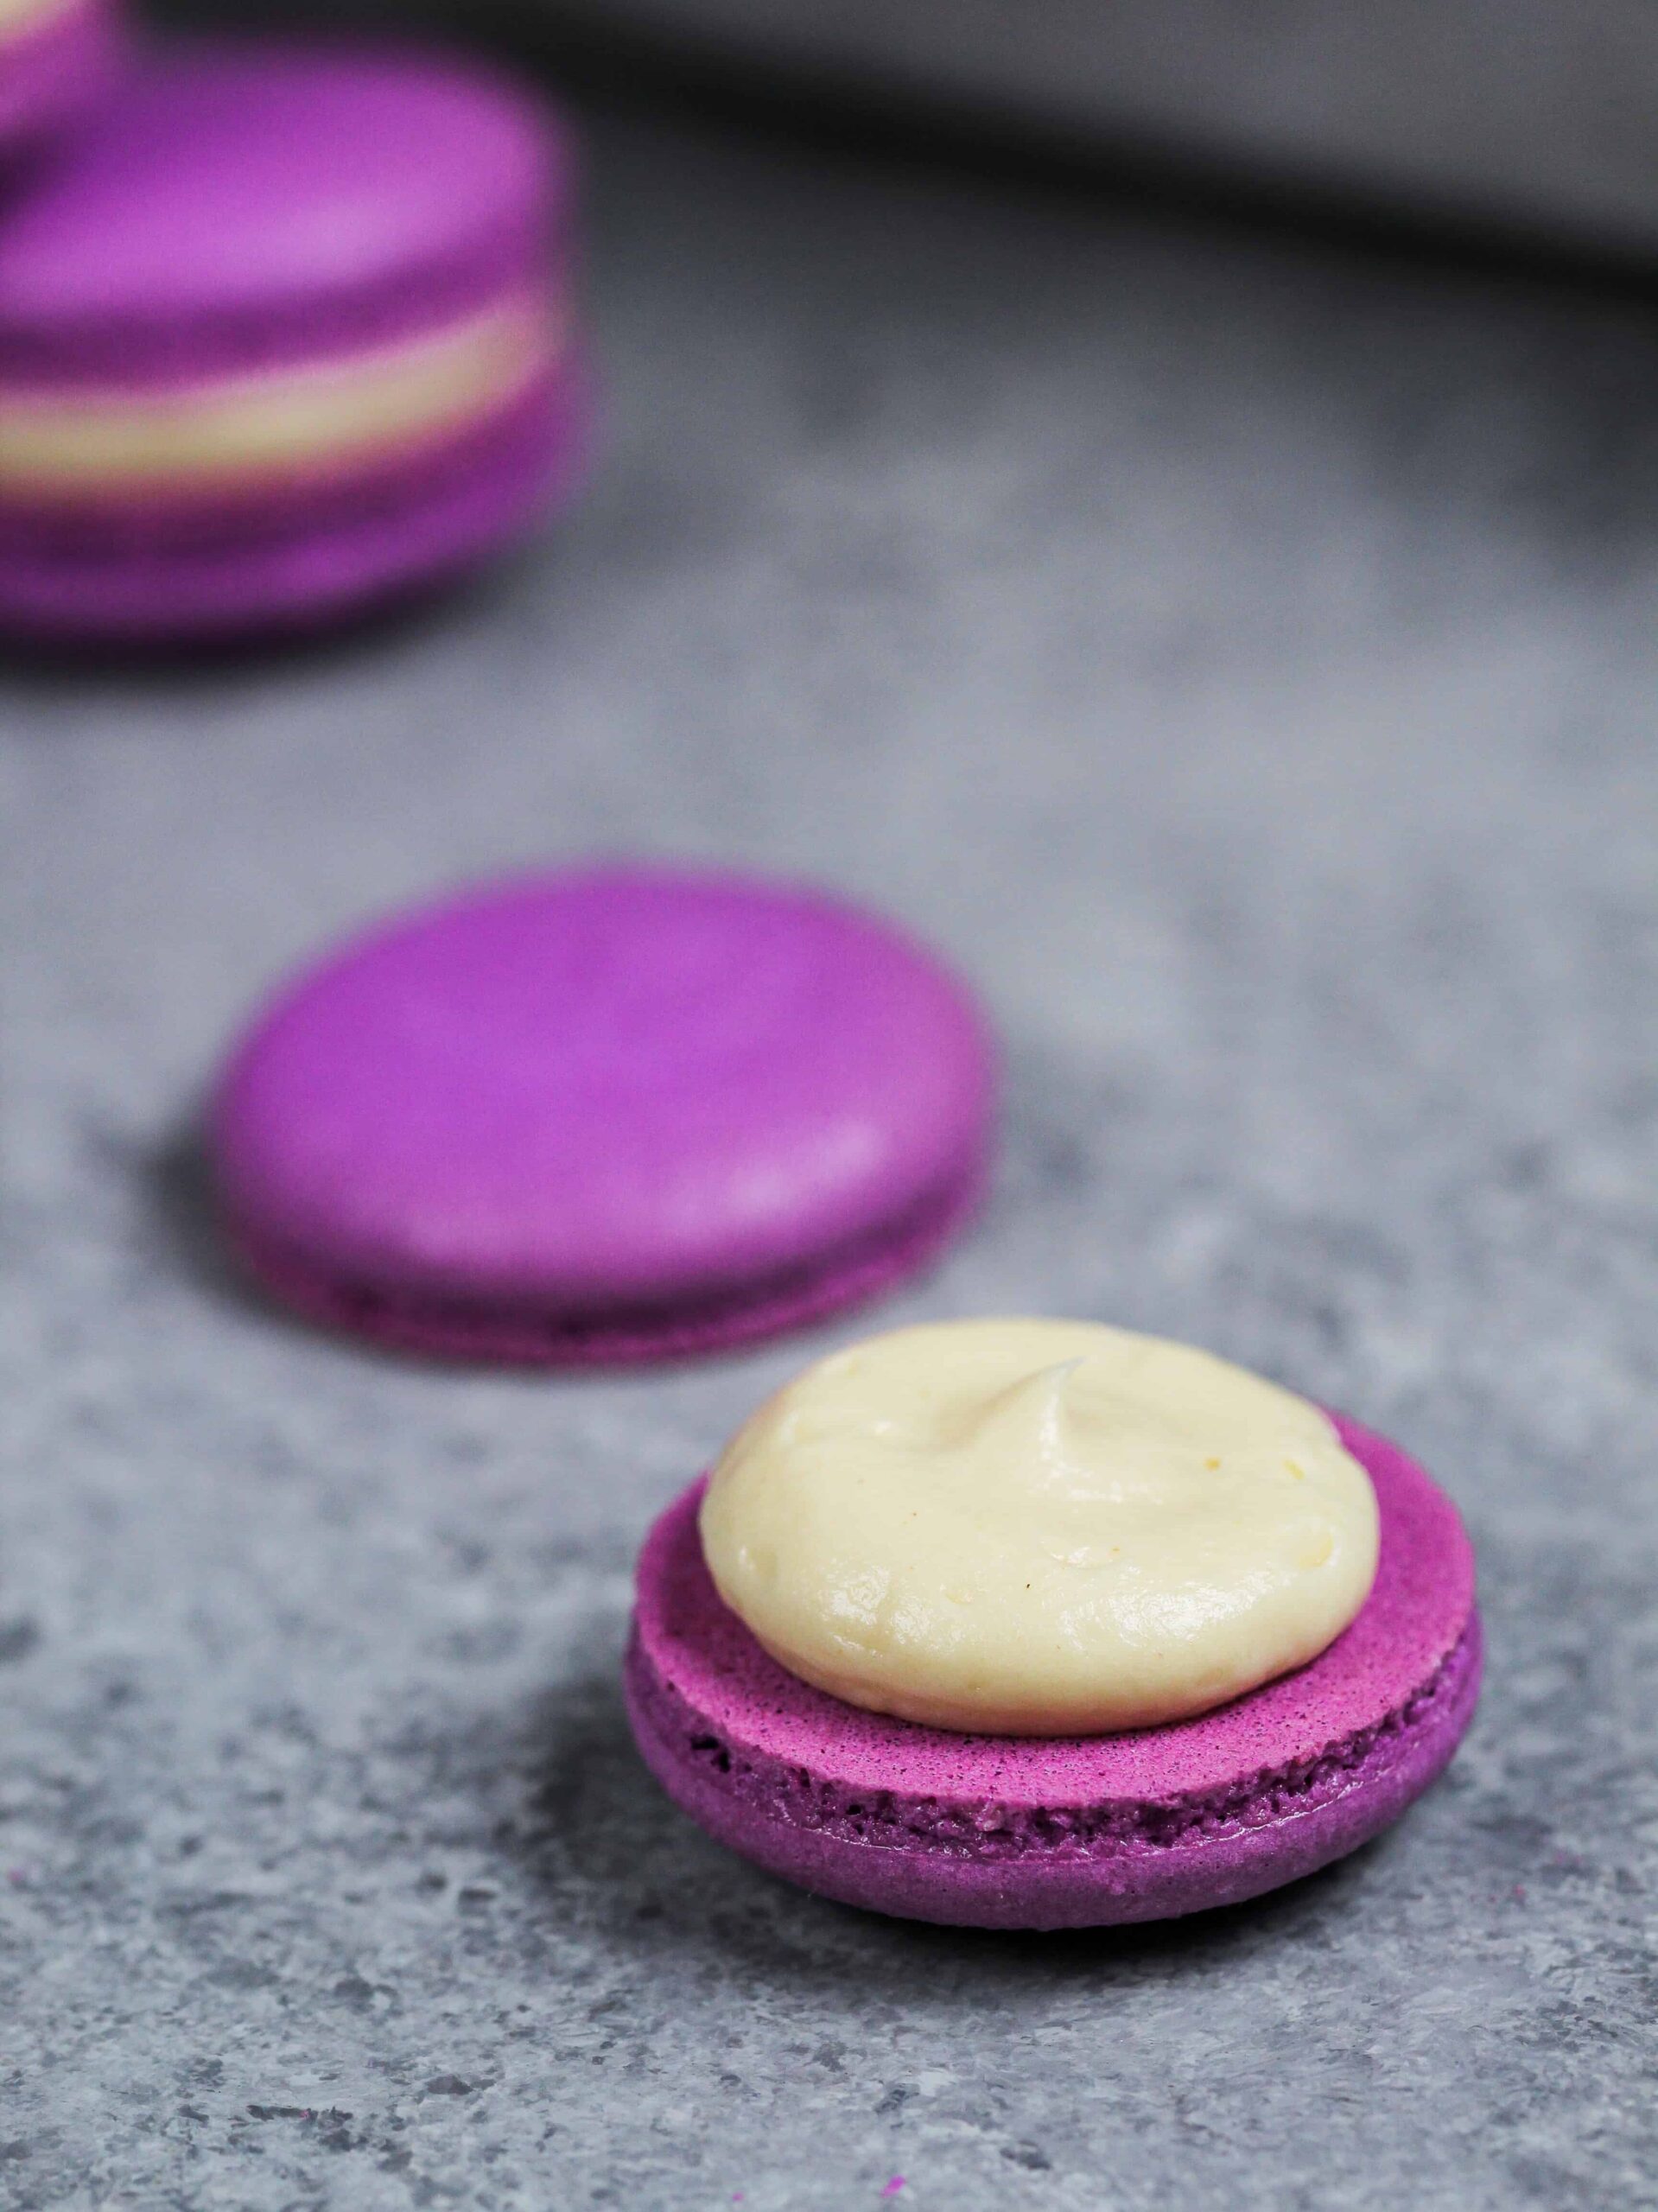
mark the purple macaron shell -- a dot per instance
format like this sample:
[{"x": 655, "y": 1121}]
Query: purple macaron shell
[
  {"x": 1025, "y": 1832},
  {"x": 243, "y": 207},
  {"x": 302, "y": 556},
  {"x": 613, "y": 1115},
  {"x": 53, "y": 73}
]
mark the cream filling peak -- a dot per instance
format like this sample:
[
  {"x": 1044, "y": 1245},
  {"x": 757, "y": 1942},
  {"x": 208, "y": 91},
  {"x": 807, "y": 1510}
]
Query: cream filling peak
[
  {"x": 1038, "y": 1528},
  {"x": 64, "y": 447}
]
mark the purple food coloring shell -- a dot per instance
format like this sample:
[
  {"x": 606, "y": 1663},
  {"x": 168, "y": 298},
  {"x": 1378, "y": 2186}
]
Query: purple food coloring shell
[
  {"x": 1028, "y": 1832},
  {"x": 605, "y": 1117}
]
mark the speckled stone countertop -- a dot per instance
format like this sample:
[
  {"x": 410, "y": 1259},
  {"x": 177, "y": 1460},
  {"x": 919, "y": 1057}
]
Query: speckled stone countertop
[{"x": 1244, "y": 659}]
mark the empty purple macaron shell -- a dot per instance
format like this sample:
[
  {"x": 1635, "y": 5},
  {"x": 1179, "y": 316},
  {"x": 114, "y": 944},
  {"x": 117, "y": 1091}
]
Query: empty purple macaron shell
[
  {"x": 1023, "y": 1832},
  {"x": 604, "y": 1116},
  {"x": 245, "y": 210},
  {"x": 53, "y": 72}
]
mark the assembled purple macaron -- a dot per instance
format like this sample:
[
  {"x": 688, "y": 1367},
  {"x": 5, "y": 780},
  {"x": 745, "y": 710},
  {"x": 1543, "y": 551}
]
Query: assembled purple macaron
[
  {"x": 57, "y": 58},
  {"x": 995, "y": 1831},
  {"x": 282, "y": 333},
  {"x": 614, "y": 1116}
]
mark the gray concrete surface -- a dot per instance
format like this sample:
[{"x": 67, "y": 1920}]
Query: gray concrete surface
[{"x": 1245, "y": 661}]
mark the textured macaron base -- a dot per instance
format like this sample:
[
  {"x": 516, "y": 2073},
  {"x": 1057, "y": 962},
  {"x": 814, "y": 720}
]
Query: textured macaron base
[
  {"x": 290, "y": 562},
  {"x": 1028, "y": 1832},
  {"x": 419, "y": 1321},
  {"x": 50, "y": 72}
]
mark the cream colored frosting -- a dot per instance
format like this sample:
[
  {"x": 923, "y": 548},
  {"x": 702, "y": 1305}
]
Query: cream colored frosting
[
  {"x": 1038, "y": 1528},
  {"x": 64, "y": 447}
]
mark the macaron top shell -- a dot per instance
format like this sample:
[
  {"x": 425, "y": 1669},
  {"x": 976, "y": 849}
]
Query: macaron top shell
[
  {"x": 245, "y": 200},
  {"x": 57, "y": 58},
  {"x": 1418, "y": 1610},
  {"x": 592, "y": 1089}
]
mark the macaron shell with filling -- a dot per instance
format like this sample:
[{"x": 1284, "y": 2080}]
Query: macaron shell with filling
[
  {"x": 1051, "y": 1833},
  {"x": 254, "y": 210},
  {"x": 624, "y": 1103}
]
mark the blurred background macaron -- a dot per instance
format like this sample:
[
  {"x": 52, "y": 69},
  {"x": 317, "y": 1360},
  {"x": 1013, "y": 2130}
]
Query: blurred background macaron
[
  {"x": 619, "y": 1115},
  {"x": 57, "y": 58},
  {"x": 283, "y": 332}
]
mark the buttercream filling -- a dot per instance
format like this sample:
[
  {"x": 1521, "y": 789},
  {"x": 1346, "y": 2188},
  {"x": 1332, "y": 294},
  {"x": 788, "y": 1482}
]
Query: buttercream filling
[
  {"x": 1038, "y": 1528},
  {"x": 63, "y": 448}
]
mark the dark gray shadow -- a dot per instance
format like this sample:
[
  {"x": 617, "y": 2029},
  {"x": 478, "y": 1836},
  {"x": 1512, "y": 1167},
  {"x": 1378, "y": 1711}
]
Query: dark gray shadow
[
  {"x": 177, "y": 1179},
  {"x": 46, "y": 665}
]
